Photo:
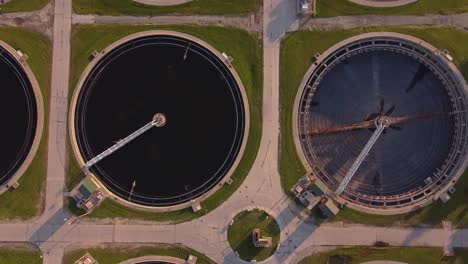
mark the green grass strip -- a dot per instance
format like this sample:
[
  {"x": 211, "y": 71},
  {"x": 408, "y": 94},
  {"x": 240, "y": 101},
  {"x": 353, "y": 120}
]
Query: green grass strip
[
  {"x": 410, "y": 255},
  {"x": 23, "y": 5},
  {"x": 19, "y": 255},
  {"x": 117, "y": 254},
  {"x": 130, "y": 7}
]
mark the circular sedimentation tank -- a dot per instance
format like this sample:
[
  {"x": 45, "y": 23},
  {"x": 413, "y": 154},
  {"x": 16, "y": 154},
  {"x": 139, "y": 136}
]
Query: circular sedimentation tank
[
  {"x": 419, "y": 94},
  {"x": 21, "y": 114},
  {"x": 197, "y": 105}
]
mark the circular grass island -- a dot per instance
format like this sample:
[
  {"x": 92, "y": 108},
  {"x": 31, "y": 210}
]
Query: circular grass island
[{"x": 240, "y": 234}]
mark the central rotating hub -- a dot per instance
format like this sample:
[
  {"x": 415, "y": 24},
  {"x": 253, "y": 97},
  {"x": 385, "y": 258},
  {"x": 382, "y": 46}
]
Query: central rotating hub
[
  {"x": 382, "y": 121},
  {"x": 159, "y": 120}
]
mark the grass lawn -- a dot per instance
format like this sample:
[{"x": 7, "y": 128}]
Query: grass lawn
[
  {"x": 411, "y": 255},
  {"x": 246, "y": 50},
  {"x": 27, "y": 201},
  {"x": 329, "y": 8},
  {"x": 240, "y": 234},
  {"x": 20, "y": 255},
  {"x": 117, "y": 254},
  {"x": 296, "y": 57},
  {"x": 23, "y": 5},
  {"x": 129, "y": 7}
]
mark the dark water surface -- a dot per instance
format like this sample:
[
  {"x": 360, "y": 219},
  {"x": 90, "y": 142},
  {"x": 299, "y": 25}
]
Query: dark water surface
[
  {"x": 17, "y": 114},
  {"x": 402, "y": 157},
  {"x": 204, "y": 109}
]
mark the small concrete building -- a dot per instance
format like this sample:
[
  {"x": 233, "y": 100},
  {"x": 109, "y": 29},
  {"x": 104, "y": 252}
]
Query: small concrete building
[
  {"x": 445, "y": 197},
  {"x": 309, "y": 200},
  {"x": 191, "y": 260},
  {"x": 318, "y": 188},
  {"x": 87, "y": 194},
  {"x": 301, "y": 185},
  {"x": 328, "y": 208},
  {"x": 86, "y": 259},
  {"x": 260, "y": 241}
]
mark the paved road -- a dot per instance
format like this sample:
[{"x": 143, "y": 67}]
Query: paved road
[
  {"x": 262, "y": 187},
  {"x": 209, "y": 238},
  {"x": 54, "y": 213}
]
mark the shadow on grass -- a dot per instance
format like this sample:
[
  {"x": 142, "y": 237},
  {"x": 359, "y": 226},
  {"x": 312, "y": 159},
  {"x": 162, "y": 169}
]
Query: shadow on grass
[
  {"x": 72, "y": 208},
  {"x": 246, "y": 245},
  {"x": 464, "y": 69}
]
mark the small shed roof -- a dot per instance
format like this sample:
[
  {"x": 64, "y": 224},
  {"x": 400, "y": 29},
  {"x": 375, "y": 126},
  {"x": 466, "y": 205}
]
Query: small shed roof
[
  {"x": 329, "y": 209},
  {"x": 319, "y": 188},
  {"x": 89, "y": 184}
]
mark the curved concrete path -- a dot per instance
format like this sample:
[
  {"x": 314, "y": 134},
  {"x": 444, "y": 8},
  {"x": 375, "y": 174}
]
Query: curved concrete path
[
  {"x": 383, "y": 3},
  {"x": 162, "y": 2}
]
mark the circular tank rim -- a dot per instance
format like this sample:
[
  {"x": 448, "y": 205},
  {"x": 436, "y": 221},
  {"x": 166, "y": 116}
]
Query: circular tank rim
[
  {"x": 84, "y": 76},
  {"x": 162, "y": 3},
  {"x": 169, "y": 259},
  {"x": 40, "y": 116},
  {"x": 383, "y": 3},
  {"x": 298, "y": 146}
]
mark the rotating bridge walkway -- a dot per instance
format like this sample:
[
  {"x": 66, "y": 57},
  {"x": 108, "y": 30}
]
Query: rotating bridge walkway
[
  {"x": 158, "y": 121},
  {"x": 381, "y": 125}
]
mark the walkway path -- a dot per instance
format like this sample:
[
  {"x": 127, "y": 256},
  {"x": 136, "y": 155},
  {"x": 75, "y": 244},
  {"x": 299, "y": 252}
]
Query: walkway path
[
  {"x": 262, "y": 187},
  {"x": 250, "y": 22},
  {"x": 54, "y": 214},
  {"x": 207, "y": 237},
  {"x": 347, "y": 22},
  {"x": 41, "y": 21}
]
